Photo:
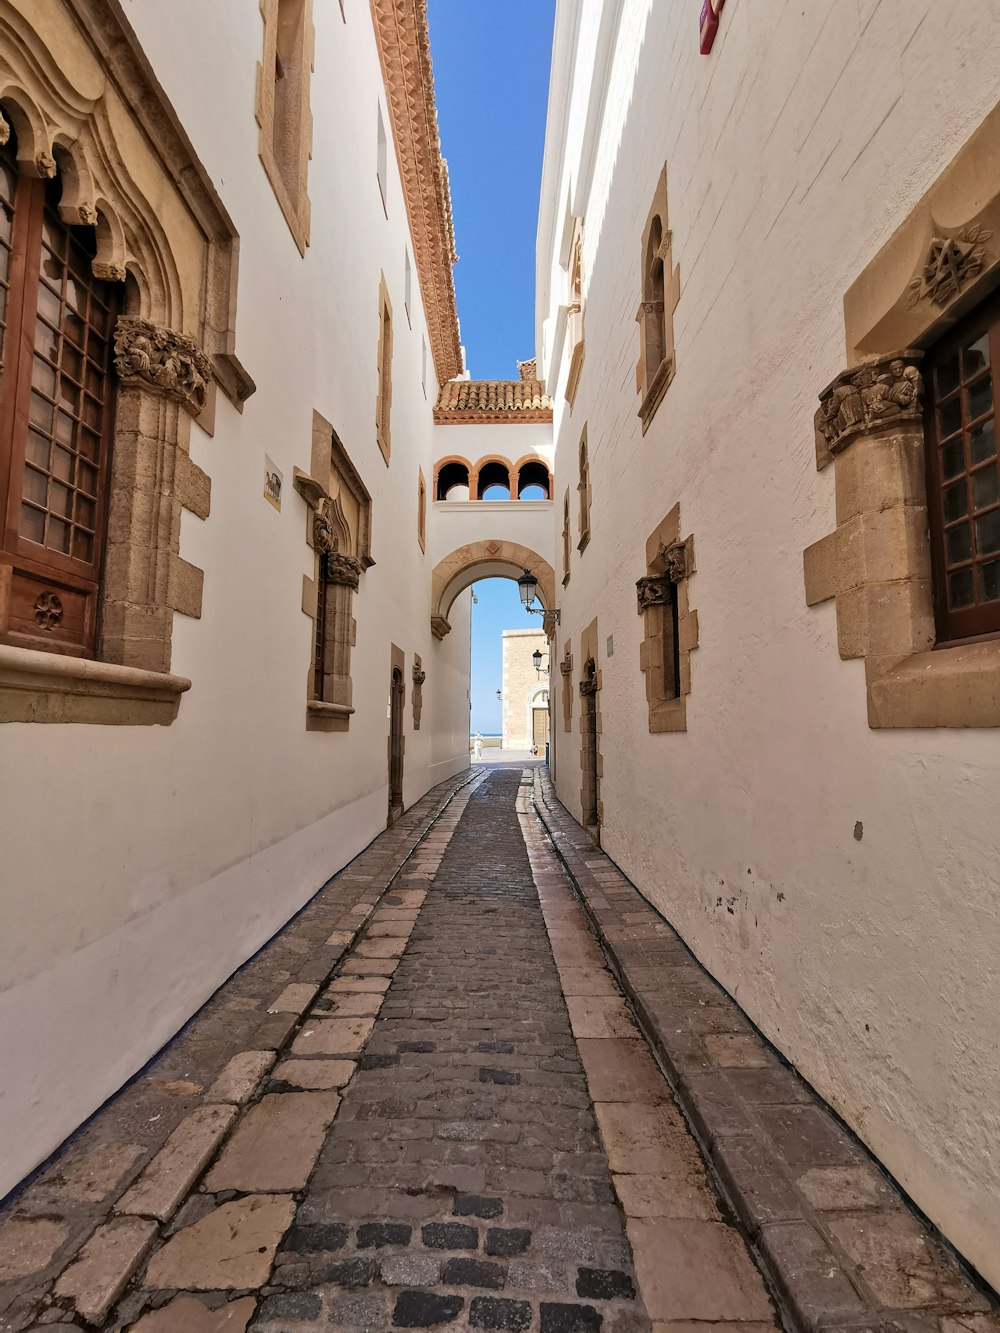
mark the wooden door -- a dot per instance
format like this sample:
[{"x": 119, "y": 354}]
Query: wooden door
[
  {"x": 396, "y": 742},
  {"x": 540, "y": 727}
]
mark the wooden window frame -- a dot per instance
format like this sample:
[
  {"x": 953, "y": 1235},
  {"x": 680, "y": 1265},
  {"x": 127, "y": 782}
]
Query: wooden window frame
[
  {"x": 67, "y": 602},
  {"x": 583, "y": 486},
  {"x": 289, "y": 178},
  {"x": 383, "y": 394},
  {"x": 982, "y": 618}
]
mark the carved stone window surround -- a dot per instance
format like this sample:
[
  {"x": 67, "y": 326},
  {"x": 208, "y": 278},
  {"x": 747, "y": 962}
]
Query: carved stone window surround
[
  {"x": 338, "y": 528},
  {"x": 661, "y": 286},
  {"x": 574, "y": 314},
  {"x": 876, "y": 563},
  {"x": 290, "y": 185},
  {"x": 383, "y": 392},
  {"x": 159, "y": 222},
  {"x": 669, "y": 565},
  {"x": 566, "y": 671}
]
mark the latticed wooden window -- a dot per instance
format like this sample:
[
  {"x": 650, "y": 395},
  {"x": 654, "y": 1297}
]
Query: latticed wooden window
[
  {"x": 963, "y": 478},
  {"x": 56, "y": 417}
]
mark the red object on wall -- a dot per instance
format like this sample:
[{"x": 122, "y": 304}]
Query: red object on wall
[{"x": 709, "y": 23}]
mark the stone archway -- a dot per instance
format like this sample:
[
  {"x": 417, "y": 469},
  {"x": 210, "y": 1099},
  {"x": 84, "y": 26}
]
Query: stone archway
[{"x": 485, "y": 560}]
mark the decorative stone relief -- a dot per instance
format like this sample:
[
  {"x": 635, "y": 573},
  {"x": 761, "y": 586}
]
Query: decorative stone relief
[
  {"x": 653, "y": 592},
  {"x": 161, "y": 360},
  {"x": 670, "y": 624},
  {"x": 885, "y": 392},
  {"x": 343, "y": 570},
  {"x": 48, "y": 609},
  {"x": 566, "y": 671},
  {"x": 950, "y": 263}
]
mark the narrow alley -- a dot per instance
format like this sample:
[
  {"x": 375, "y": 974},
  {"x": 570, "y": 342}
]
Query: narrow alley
[{"x": 427, "y": 1102}]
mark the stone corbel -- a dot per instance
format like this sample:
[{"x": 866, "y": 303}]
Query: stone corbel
[
  {"x": 440, "y": 626},
  {"x": 653, "y": 592},
  {"x": 866, "y": 398},
  {"x": 566, "y": 665},
  {"x": 310, "y": 489},
  {"x": 161, "y": 361},
  {"x": 550, "y": 619}
]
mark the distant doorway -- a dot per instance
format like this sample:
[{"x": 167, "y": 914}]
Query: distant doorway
[
  {"x": 589, "y": 755},
  {"x": 540, "y": 728},
  {"x": 396, "y": 702}
]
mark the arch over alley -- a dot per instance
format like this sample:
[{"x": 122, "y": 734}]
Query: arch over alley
[{"x": 485, "y": 560}]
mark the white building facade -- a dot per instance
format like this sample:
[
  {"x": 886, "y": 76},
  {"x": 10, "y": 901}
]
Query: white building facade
[{"x": 790, "y": 745}]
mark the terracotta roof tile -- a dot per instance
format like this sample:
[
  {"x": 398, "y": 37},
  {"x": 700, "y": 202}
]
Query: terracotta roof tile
[{"x": 493, "y": 400}]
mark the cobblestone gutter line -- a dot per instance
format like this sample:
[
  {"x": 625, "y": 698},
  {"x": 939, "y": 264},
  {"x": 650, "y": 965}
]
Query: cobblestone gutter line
[
  {"x": 72, "y": 1239},
  {"x": 840, "y": 1244},
  {"x": 690, "y": 1263}
]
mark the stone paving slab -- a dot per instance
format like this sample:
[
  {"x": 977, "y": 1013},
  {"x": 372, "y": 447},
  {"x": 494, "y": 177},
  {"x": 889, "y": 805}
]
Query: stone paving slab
[{"x": 837, "y": 1238}]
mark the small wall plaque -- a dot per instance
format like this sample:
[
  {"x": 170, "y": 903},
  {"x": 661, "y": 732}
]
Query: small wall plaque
[{"x": 272, "y": 483}]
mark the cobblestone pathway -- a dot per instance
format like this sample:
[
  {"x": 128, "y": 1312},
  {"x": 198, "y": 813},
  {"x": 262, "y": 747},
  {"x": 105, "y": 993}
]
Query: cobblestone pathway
[{"x": 462, "y": 1127}]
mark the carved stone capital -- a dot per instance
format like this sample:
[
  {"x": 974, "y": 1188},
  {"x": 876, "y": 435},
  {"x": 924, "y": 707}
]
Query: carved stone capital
[
  {"x": 566, "y": 665},
  {"x": 323, "y": 535},
  {"x": 161, "y": 361},
  {"x": 588, "y": 687},
  {"x": 343, "y": 570},
  {"x": 674, "y": 559},
  {"x": 419, "y": 676},
  {"x": 865, "y": 398},
  {"x": 4, "y": 131},
  {"x": 654, "y": 592},
  {"x": 45, "y": 165}
]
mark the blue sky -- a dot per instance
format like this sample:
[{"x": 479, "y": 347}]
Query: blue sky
[{"x": 491, "y": 77}]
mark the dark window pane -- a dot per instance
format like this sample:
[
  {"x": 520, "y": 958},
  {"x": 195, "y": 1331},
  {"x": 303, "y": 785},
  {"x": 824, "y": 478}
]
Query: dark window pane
[
  {"x": 43, "y": 376},
  {"x": 86, "y": 510},
  {"x": 35, "y": 486},
  {"x": 33, "y": 524},
  {"x": 57, "y": 535},
  {"x": 73, "y": 327},
  {"x": 69, "y": 396},
  {"x": 72, "y": 362},
  {"x": 947, "y": 377},
  {"x": 62, "y": 465},
  {"x": 40, "y": 412},
  {"x": 983, "y": 441},
  {"x": 988, "y": 533},
  {"x": 60, "y": 500},
  {"x": 83, "y": 545},
  {"x": 989, "y": 582},
  {"x": 960, "y": 589},
  {"x": 89, "y": 444},
  {"x": 985, "y": 487},
  {"x": 979, "y": 398},
  {"x": 65, "y": 428},
  {"x": 952, "y": 460},
  {"x": 950, "y": 418},
  {"x": 38, "y": 449},
  {"x": 959, "y": 544},
  {"x": 976, "y": 356},
  {"x": 956, "y": 502},
  {"x": 86, "y": 478}
]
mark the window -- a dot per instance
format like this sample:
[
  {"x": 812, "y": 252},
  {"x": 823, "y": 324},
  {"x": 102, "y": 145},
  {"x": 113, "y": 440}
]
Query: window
[
  {"x": 56, "y": 418},
  {"x": 493, "y": 481},
  {"x": 533, "y": 480},
  {"x": 565, "y": 539},
  {"x": 584, "y": 488},
  {"x": 421, "y": 509},
  {"x": 407, "y": 286},
  {"x": 963, "y": 481},
  {"x": 574, "y": 313},
  {"x": 669, "y": 624},
  {"x": 660, "y": 292},
  {"x": 283, "y": 108},
  {"x": 383, "y": 398},
  {"x": 382, "y": 161},
  {"x": 452, "y": 481}
]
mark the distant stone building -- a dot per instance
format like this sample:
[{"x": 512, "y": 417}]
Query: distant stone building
[{"x": 525, "y": 690}]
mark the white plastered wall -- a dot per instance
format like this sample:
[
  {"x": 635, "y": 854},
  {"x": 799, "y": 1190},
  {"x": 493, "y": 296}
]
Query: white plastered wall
[
  {"x": 142, "y": 865},
  {"x": 792, "y": 153}
]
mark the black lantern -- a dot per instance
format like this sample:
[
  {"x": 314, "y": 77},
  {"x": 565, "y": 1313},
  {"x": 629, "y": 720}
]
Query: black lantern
[{"x": 528, "y": 587}]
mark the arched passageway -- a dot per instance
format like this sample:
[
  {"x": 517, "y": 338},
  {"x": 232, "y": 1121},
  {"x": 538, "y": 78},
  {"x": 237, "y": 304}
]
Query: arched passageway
[{"x": 484, "y": 560}]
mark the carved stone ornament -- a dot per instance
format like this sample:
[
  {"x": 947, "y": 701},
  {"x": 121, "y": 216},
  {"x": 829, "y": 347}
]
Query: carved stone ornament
[
  {"x": 674, "y": 559},
  {"x": 4, "y": 132},
  {"x": 951, "y": 261},
  {"x": 880, "y": 393},
  {"x": 566, "y": 665},
  {"x": 162, "y": 360},
  {"x": 343, "y": 569},
  {"x": 323, "y": 535},
  {"x": 654, "y": 592},
  {"x": 419, "y": 675},
  {"x": 588, "y": 687},
  {"x": 45, "y": 165}
]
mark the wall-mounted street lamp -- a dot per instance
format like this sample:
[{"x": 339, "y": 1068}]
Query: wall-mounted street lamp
[
  {"x": 499, "y": 696},
  {"x": 536, "y": 657},
  {"x": 527, "y": 586}
]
